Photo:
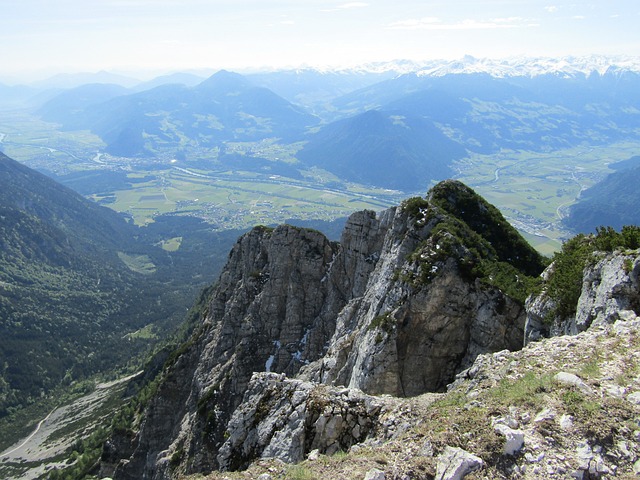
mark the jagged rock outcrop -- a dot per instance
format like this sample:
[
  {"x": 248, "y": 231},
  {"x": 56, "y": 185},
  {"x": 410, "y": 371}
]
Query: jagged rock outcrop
[
  {"x": 404, "y": 342},
  {"x": 285, "y": 418},
  {"x": 259, "y": 319},
  {"x": 563, "y": 407},
  {"x": 398, "y": 307},
  {"x": 575, "y": 424},
  {"x": 610, "y": 286}
]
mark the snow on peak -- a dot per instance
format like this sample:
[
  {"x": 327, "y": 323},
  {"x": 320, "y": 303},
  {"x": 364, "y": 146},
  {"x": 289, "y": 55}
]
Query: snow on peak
[{"x": 531, "y": 67}]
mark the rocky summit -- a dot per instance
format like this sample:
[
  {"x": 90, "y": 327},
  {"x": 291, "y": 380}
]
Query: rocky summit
[{"x": 395, "y": 353}]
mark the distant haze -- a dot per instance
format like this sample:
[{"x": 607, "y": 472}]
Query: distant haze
[{"x": 143, "y": 38}]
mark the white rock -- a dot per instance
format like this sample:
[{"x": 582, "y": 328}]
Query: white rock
[
  {"x": 507, "y": 420},
  {"x": 314, "y": 454},
  {"x": 585, "y": 455},
  {"x": 572, "y": 380},
  {"x": 566, "y": 422},
  {"x": 634, "y": 398},
  {"x": 621, "y": 328},
  {"x": 544, "y": 414},
  {"x": 616, "y": 391},
  {"x": 265, "y": 476},
  {"x": 627, "y": 315},
  {"x": 601, "y": 467},
  {"x": 375, "y": 474},
  {"x": 514, "y": 439},
  {"x": 606, "y": 290},
  {"x": 529, "y": 457},
  {"x": 427, "y": 449},
  {"x": 623, "y": 447},
  {"x": 454, "y": 463}
]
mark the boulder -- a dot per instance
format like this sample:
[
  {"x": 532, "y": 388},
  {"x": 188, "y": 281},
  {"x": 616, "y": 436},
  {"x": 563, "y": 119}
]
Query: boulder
[{"x": 455, "y": 463}]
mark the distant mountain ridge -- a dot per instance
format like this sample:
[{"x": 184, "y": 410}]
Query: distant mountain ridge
[
  {"x": 379, "y": 148},
  {"x": 486, "y": 113},
  {"x": 498, "y": 67},
  {"x": 38, "y": 196},
  {"x": 533, "y": 66},
  {"x": 72, "y": 80},
  {"x": 612, "y": 202},
  {"x": 62, "y": 285},
  {"x": 449, "y": 109},
  {"x": 68, "y": 105},
  {"x": 224, "y": 107}
]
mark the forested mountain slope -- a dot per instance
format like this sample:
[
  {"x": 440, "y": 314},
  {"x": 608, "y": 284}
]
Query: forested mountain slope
[{"x": 76, "y": 282}]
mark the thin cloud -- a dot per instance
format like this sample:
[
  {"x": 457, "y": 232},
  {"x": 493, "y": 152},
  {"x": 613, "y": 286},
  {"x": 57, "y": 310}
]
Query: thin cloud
[
  {"x": 433, "y": 23},
  {"x": 551, "y": 8},
  {"x": 507, "y": 20},
  {"x": 346, "y": 6}
]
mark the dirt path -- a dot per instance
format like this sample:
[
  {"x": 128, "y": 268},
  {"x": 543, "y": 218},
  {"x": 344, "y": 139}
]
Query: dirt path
[{"x": 28, "y": 439}]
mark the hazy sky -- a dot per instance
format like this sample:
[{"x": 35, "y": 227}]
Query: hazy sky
[{"x": 169, "y": 35}]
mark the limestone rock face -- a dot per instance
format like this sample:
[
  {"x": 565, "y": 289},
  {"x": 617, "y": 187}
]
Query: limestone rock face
[
  {"x": 407, "y": 341},
  {"x": 264, "y": 315},
  {"x": 388, "y": 310},
  {"x": 609, "y": 286},
  {"x": 406, "y": 337},
  {"x": 285, "y": 418}
]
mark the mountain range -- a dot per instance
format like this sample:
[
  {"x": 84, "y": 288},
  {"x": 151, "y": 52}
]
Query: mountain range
[
  {"x": 305, "y": 346},
  {"x": 429, "y": 118},
  {"x": 225, "y": 107},
  {"x": 406, "y": 300},
  {"x": 59, "y": 264},
  {"x": 379, "y": 148}
]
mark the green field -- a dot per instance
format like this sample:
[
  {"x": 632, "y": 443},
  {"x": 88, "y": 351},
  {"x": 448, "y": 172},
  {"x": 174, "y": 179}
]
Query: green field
[
  {"x": 532, "y": 189},
  {"x": 227, "y": 199},
  {"x": 43, "y": 145},
  {"x": 244, "y": 199}
]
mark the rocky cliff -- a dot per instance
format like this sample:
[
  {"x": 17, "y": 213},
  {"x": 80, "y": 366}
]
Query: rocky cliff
[
  {"x": 610, "y": 287},
  {"x": 562, "y": 407},
  {"x": 407, "y": 299},
  {"x": 566, "y": 407}
]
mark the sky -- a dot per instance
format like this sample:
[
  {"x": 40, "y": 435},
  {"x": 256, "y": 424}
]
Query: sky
[{"x": 149, "y": 37}]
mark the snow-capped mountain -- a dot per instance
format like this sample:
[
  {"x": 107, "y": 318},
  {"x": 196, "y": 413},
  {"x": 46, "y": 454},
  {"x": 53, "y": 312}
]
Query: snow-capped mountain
[
  {"x": 501, "y": 68},
  {"x": 531, "y": 67}
]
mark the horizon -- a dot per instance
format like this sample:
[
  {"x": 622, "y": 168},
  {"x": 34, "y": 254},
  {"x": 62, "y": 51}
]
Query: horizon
[
  {"x": 148, "y": 38},
  {"x": 135, "y": 77}
]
